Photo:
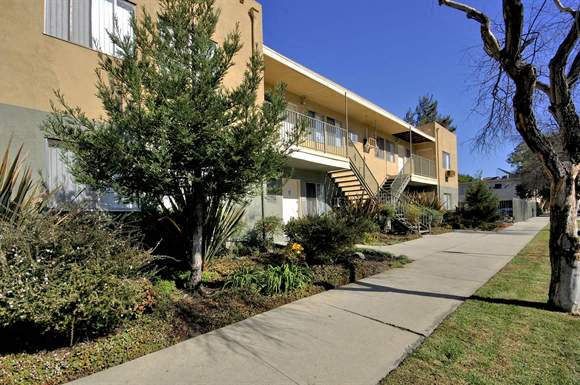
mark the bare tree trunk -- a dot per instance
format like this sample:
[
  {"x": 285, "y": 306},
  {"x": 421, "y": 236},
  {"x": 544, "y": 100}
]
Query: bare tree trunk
[
  {"x": 197, "y": 244},
  {"x": 564, "y": 246}
]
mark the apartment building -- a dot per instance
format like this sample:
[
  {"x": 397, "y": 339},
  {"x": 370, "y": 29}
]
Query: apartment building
[{"x": 353, "y": 148}]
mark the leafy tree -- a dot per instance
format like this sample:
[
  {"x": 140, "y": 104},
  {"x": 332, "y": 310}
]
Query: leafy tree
[
  {"x": 480, "y": 204},
  {"x": 535, "y": 181},
  {"x": 173, "y": 137},
  {"x": 531, "y": 70},
  {"x": 426, "y": 111},
  {"x": 466, "y": 178}
]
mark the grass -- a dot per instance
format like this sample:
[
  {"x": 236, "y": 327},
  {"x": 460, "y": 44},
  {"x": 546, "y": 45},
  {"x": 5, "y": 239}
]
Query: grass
[
  {"x": 503, "y": 335},
  {"x": 178, "y": 316}
]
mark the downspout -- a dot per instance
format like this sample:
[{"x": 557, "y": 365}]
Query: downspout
[
  {"x": 411, "y": 149},
  {"x": 251, "y": 12},
  {"x": 263, "y": 212},
  {"x": 437, "y": 169},
  {"x": 346, "y": 121}
]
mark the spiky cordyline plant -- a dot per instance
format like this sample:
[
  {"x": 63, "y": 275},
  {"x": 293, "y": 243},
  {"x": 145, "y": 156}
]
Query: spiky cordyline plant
[{"x": 19, "y": 192}]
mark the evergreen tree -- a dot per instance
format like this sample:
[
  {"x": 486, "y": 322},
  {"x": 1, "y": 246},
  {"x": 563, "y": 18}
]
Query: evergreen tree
[
  {"x": 481, "y": 205},
  {"x": 173, "y": 137},
  {"x": 426, "y": 111}
]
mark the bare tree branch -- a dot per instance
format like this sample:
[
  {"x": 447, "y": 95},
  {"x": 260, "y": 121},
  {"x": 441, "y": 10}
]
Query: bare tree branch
[
  {"x": 541, "y": 86},
  {"x": 563, "y": 8},
  {"x": 513, "y": 16},
  {"x": 490, "y": 42},
  {"x": 574, "y": 72},
  {"x": 560, "y": 59}
]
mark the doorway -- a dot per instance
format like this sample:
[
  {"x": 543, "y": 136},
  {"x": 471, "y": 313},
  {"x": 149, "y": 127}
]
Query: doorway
[{"x": 290, "y": 199}]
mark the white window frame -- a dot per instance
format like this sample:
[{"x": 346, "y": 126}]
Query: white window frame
[
  {"x": 92, "y": 40},
  {"x": 447, "y": 199},
  {"x": 446, "y": 160},
  {"x": 380, "y": 151}
]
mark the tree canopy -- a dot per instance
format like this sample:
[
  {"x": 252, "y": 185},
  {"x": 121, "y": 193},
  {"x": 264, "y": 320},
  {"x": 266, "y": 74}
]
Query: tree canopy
[
  {"x": 427, "y": 111},
  {"x": 173, "y": 137}
]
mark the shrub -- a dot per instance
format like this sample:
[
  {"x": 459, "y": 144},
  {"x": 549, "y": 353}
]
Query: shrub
[
  {"x": 19, "y": 193},
  {"x": 361, "y": 214},
  {"x": 480, "y": 205},
  {"x": 261, "y": 236},
  {"x": 384, "y": 217},
  {"x": 271, "y": 280},
  {"x": 74, "y": 275},
  {"x": 413, "y": 214},
  {"x": 323, "y": 237},
  {"x": 427, "y": 199},
  {"x": 436, "y": 216}
]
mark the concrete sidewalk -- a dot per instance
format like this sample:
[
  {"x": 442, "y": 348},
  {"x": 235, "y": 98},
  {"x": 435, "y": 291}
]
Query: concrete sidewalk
[{"x": 352, "y": 335}]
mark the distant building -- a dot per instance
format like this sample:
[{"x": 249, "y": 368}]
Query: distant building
[{"x": 503, "y": 187}]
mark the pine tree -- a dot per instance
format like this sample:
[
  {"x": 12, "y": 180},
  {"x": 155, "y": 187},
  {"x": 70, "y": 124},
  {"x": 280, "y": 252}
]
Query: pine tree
[
  {"x": 480, "y": 204},
  {"x": 173, "y": 137},
  {"x": 426, "y": 111}
]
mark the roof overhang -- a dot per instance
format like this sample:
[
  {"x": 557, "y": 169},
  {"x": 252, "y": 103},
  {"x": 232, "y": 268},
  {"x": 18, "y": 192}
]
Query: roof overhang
[{"x": 316, "y": 88}]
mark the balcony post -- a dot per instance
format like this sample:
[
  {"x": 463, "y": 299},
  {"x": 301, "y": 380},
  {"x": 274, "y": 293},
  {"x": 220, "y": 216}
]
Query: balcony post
[
  {"x": 411, "y": 148},
  {"x": 346, "y": 133},
  {"x": 324, "y": 136}
]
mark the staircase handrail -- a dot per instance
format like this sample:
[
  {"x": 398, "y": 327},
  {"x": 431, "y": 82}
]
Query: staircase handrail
[
  {"x": 360, "y": 167},
  {"x": 399, "y": 182},
  {"x": 401, "y": 205}
]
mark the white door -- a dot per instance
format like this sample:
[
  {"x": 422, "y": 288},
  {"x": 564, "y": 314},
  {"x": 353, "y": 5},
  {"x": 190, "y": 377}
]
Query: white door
[
  {"x": 290, "y": 199},
  {"x": 401, "y": 152}
]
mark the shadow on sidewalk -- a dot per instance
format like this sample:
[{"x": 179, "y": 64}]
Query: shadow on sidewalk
[{"x": 369, "y": 287}]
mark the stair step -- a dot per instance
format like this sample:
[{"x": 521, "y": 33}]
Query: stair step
[
  {"x": 348, "y": 183},
  {"x": 341, "y": 173},
  {"x": 346, "y": 179},
  {"x": 352, "y": 188}
]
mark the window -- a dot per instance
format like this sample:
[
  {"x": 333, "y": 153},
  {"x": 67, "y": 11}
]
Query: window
[
  {"x": 380, "y": 150},
  {"x": 88, "y": 22},
  {"x": 497, "y": 186},
  {"x": 446, "y": 161},
  {"x": 390, "y": 151},
  {"x": 67, "y": 190},
  {"x": 314, "y": 198},
  {"x": 447, "y": 201},
  {"x": 353, "y": 136}
]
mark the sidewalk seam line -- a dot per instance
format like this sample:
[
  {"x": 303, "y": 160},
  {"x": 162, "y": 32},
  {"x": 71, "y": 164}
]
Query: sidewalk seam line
[{"x": 379, "y": 321}]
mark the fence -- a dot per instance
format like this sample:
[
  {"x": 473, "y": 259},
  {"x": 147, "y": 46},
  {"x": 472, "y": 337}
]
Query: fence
[{"x": 519, "y": 209}]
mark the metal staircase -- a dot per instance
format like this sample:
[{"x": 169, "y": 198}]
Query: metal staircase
[{"x": 358, "y": 182}]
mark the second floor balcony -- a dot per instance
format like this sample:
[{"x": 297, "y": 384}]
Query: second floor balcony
[
  {"x": 333, "y": 139},
  {"x": 320, "y": 136}
]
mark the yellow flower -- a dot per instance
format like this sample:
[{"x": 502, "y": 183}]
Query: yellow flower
[{"x": 297, "y": 248}]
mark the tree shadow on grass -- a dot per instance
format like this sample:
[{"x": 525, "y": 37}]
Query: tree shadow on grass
[{"x": 517, "y": 302}]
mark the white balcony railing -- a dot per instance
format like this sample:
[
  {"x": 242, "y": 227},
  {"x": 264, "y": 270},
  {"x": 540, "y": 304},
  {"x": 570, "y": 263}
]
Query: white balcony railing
[
  {"x": 423, "y": 167},
  {"x": 320, "y": 136}
]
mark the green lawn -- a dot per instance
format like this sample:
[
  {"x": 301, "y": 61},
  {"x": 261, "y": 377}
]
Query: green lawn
[{"x": 504, "y": 335}]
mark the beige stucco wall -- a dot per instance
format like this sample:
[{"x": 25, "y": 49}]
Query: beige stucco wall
[{"x": 33, "y": 65}]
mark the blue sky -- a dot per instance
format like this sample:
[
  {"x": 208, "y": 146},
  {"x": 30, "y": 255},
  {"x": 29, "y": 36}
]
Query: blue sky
[{"x": 391, "y": 52}]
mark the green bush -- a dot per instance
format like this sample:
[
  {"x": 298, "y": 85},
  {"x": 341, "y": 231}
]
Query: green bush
[
  {"x": 271, "y": 280},
  {"x": 261, "y": 236},
  {"x": 436, "y": 216},
  {"x": 324, "y": 237},
  {"x": 70, "y": 275},
  {"x": 480, "y": 205},
  {"x": 413, "y": 214},
  {"x": 361, "y": 214}
]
